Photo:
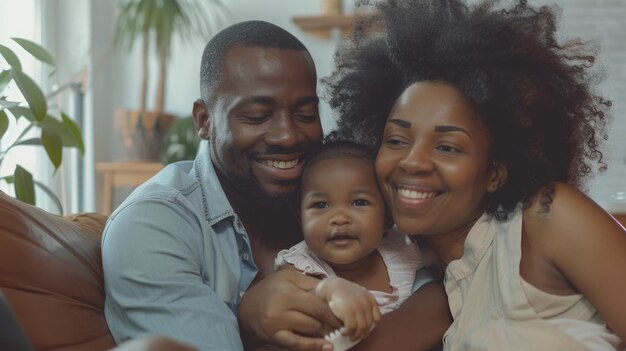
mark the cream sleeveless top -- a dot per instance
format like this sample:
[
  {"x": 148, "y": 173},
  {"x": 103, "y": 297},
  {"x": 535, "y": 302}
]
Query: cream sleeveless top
[{"x": 494, "y": 309}]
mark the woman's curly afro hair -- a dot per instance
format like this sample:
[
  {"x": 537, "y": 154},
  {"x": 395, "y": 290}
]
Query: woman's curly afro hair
[{"x": 533, "y": 93}]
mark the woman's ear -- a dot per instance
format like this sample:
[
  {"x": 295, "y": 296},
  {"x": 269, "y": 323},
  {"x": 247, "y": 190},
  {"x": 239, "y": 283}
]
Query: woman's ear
[
  {"x": 499, "y": 174},
  {"x": 201, "y": 119}
]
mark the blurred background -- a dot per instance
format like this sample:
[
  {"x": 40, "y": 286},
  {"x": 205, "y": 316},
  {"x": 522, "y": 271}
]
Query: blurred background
[{"x": 99, "y": 84}]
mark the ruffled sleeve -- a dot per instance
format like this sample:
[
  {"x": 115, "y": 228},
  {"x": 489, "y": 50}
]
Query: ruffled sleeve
[{"x": 303, "y": 260}]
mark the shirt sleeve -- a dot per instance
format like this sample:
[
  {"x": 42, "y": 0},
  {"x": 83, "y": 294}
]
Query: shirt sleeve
[
  {"x": 422, "y": 277},
  {"x": 152, "y": 259}
]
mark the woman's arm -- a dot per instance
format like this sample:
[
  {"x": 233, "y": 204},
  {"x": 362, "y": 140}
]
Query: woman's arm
[{"x": 587, "y": 247}]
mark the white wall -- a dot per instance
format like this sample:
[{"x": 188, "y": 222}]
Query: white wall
[
  {"x": 603, "y": 21},
  {"x": 115, "y": 75}
]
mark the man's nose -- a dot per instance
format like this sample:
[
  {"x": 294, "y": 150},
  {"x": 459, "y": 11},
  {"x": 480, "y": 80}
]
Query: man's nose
[
  {"x": 283, "y": 131},
  {"x": 418, "y": 159}
]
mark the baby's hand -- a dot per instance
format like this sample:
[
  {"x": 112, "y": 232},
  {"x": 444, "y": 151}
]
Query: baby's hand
[{"x": 351, "y": 303}]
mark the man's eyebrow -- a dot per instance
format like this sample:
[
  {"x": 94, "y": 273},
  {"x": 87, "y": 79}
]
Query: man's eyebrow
[
  {"x": 449, "y": 128},
  {"x": 311, "y": 99},
  {"x": 400, "y": 122},
  {"x": 261, "y": 100}
]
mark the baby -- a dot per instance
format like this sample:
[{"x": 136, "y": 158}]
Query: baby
[{"x": 365, "y": 270}]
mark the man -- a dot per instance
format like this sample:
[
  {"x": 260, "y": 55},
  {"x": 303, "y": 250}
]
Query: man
[{"x": 181, "y": 251}]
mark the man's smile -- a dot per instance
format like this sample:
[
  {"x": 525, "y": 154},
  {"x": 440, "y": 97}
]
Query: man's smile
[{"x": 282, "y": 164}]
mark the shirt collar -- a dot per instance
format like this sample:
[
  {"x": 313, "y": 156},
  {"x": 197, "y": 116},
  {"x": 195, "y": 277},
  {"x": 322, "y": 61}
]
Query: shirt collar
[
  {"x": 216, "y": 204},
  {"x": 478, "y": 240}
]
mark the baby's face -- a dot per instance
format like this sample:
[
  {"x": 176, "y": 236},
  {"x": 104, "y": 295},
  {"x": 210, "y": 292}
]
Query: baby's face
[{"x": 342, "y": 210}]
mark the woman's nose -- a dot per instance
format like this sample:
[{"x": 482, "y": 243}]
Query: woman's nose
[{"x": 418, "y": 159}]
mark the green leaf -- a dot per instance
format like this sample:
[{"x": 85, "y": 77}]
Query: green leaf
[
  {"x": 4, "y": 123},
  {"x": 32, "y": 93},
  {"x": 5, "y": 79},
  {"x": 29, "y": 142},
  {"x": 67, "y": 137},
  {"x": 36, "y": 50},
  {"x": 51, "y": 194},
  {"x": 10, "y": 57},
  {"x": 24, "y": 186},
  {"x": 75, "y": 132},
  {"x": 53, "y": 144},
  {"x": 8, "y": 179},
  {"x": 21, "y": 111},
  {"x": 4, "y": 103}
]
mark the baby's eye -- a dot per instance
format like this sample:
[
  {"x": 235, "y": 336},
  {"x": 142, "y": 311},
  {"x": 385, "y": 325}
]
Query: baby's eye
[
  {"x": 360, "y": 202},
  {"x": 320, "y": 204}
]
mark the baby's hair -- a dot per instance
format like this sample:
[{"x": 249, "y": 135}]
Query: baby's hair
[
  {"x": 335, "y": 147},
  {"x": 534, "y": 94}
]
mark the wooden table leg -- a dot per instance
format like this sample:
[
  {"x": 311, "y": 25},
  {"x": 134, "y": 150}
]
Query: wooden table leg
[{"x": 107, "y": 194}]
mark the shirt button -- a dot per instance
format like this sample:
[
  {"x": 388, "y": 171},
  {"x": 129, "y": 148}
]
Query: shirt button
[
  {"x": 245, "y": 256},
  {"x": 241, "y": 293}
]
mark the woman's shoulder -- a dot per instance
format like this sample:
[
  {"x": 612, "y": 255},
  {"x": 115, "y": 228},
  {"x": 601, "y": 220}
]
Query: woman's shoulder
[{"x": 571, "y": 215}]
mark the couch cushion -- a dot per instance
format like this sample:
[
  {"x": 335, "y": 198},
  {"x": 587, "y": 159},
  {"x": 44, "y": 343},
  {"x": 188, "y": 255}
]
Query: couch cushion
[{"x": 51, "y": 275}]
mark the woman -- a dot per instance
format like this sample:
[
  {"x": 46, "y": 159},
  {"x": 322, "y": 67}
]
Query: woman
[{"x": 486, "y": 127}]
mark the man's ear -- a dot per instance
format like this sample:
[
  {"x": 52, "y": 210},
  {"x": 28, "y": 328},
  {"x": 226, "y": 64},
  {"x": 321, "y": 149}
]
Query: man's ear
[
  {"x": 499, "y": 174},
  {"x": 201, "y": 119}
]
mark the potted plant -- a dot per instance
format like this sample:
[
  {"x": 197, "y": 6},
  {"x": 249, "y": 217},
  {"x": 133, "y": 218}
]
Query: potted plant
[
  {"x": 55, "y": 129},
  {"x": 156, "y": 23},
  {"x": 181, "y": 142}
]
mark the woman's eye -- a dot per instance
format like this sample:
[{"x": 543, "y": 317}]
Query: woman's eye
[
  {"x": 394, "y": 142},
  {"x": 360, "y": 202},
  {"x": 448, "y": 148},
  {"x": 320, "y": 204}
]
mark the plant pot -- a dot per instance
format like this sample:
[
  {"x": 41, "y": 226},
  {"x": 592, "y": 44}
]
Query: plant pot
[
  {"x": 142, "y": 132},
  {"x": 331, "y": 7}
]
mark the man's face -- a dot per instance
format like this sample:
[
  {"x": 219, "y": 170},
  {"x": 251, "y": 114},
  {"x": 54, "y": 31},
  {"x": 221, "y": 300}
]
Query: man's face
[{"x": 264, "y": 121}]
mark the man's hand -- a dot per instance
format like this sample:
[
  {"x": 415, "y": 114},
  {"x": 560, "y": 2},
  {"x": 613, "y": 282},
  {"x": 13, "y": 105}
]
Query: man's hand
[
  {"x": 282, "y": 310},
  {"x": 351, "y": 303}
]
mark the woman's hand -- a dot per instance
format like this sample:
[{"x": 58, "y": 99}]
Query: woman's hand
[
  {"x": 281, "y": 310},
  {"x": 351, "y": 303}
]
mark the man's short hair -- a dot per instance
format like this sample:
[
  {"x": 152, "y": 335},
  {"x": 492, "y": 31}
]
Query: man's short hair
[{"x": 250, "y": 33}]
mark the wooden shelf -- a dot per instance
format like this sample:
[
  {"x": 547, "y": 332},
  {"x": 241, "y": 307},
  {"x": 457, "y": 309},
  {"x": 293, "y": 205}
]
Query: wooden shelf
[
  {"x": 322, "y": 26},
  {"x": 123, "y": 174}
]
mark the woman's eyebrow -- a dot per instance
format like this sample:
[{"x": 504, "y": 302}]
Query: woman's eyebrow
[
  {"x": 400, "y": 122},
  {"x": 448, "y": 128}
]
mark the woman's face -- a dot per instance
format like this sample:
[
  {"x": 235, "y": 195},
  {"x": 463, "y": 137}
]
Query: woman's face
[{"x": 433, "y": 165}]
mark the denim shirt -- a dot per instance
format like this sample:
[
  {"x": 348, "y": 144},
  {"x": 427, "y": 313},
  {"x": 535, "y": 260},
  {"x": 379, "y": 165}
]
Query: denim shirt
[{"x": 177, "y": 259}]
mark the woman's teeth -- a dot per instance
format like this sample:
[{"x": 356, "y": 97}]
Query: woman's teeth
[{"x": 416, "y": 195}]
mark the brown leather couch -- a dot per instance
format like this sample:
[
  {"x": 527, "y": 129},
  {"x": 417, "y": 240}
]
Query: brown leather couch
[{"x": 51, "y": 277}]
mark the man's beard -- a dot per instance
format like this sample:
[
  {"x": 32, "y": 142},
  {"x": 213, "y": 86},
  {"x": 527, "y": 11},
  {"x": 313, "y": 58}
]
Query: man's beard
[{"x": 249, "y": 189}]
